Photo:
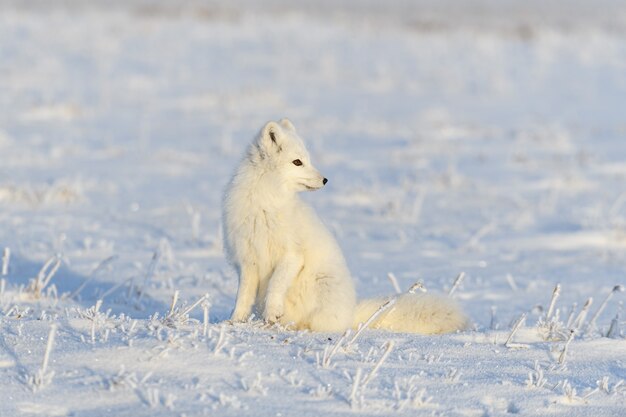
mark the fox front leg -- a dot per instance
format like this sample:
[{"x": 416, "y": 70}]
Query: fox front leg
[
  {"x": 281, "y": 280},
  {"x": 246, "y": 293}
]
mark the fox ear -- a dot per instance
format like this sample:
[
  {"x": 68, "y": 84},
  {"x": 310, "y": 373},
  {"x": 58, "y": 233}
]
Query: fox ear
[
  {"x": 271, "y": 137},
  {"x": 286, "y": 123}
]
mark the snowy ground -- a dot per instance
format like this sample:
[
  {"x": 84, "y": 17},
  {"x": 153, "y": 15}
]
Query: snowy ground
[{"x": 453, "y": 143}]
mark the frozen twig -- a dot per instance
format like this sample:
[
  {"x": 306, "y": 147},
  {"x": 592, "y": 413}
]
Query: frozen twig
[
  {"x": 563, "y": 354},
  {"x": 480, "y": 233},
  {"x": 516, "y": 326},
  {"x": 418, "y": 286},
  {"x": 329, "y": 353},
  {"x": 617, "y": 204},
  {"x": 604, "y": 386},
  {"x": 511, "y": 281},
  {"x": 614, "y": 331},
  {"x": 206, "y": 305},
  {"x": 37, "y": 285},
  {"x": 116, "y": 287},
  {"x": 99, "y": 320},
  {"x": 536, "y": 379},
  {"x": 386, "y": 306},
  {"x": 195, "y": 218},
  {"x": 394, "y": 282},
  {"x": 6, "y": 258},
  {"x": 493, "y": 325},
  {"x": 415, "y": 209},
  {"x": 221, "y": 341},
  {"x": 44, "y": 281},
  {"x": 570, "y": 316},
  {"x": 177, "y": 317},
  {"x": 453, "y": 375},
  {"x": 457, "y": 282},
  {"x": 194, "y": 305},
  {"x": 174, "y": 301},
  {"x": 555, "y": 295},
  {"x": 568, "y": 391},
  {"x": 355, "y": 387},
  {"x": 43, "y": 377},
  {"x": 166, "y": 252},
  {"x": 414, "y": 397},
  {"x": 388, "y": 347},
  {"x": 149, "y": 273},
  {"x": 592, "y": 322},
  {"x": 46, "y": 356},
  {"x": 580, "y": 319},
  {"x": 94, "y": 321},
  {"x": 105, "y": 263}
]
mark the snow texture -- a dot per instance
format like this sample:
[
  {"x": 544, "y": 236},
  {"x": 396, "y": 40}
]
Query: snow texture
[{"x": 488, "y": 139}]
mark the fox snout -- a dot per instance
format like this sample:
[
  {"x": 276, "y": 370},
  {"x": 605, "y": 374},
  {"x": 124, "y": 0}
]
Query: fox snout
[{"x": 312, "y": 184}]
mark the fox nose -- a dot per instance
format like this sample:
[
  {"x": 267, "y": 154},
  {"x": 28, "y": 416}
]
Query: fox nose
[{"x": 324, "y": 181}]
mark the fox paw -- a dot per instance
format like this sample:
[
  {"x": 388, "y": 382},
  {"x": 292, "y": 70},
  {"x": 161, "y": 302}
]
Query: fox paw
[
  {"x": 239, "y": 316},
  {"x": 273, "y": 312}
]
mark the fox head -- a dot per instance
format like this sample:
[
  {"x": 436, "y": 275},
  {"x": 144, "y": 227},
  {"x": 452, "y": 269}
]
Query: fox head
[{"x": 285, "y": 160}]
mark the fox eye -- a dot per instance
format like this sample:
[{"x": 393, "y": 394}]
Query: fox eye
[{"x": 297, "y": 162}]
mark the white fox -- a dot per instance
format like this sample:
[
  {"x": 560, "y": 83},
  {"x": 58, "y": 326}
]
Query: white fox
[{"x": 289, "y": 264}]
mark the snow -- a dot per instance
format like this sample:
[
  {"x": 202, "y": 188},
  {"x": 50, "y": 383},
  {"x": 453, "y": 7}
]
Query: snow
[{"x": 483, "y": 139}]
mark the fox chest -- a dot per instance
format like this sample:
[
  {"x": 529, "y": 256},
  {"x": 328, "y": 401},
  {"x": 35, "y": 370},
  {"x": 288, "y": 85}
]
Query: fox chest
[{"x": 268, "y": 239}]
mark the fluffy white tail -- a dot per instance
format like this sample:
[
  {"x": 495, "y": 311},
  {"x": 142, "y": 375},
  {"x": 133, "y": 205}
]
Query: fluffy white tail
[{"x": 414, "y": 313}]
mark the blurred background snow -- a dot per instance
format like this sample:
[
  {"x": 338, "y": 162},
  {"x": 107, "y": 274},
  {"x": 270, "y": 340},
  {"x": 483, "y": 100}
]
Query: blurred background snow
[
  {"x": 485, "y": 136},
  {"x": 481, "y": 136}
]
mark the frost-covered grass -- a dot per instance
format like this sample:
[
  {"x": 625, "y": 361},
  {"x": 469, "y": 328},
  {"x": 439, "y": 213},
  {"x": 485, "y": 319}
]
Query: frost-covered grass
[{"x": 484, "y": 159}]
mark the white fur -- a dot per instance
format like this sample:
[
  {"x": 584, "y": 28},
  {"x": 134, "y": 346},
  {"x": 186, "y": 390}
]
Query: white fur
[{"x": 290, "y": 266}]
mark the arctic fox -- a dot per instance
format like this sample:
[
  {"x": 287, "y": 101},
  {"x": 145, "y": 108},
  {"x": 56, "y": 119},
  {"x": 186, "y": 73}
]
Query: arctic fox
[{"x": 290, "y": 267}]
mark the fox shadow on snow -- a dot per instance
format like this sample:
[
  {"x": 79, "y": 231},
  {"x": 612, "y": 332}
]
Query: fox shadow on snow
[{"x": 118, "y": 300}]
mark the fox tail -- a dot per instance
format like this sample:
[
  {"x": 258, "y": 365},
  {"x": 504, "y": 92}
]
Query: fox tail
[{"x": 423, "y": 313}]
